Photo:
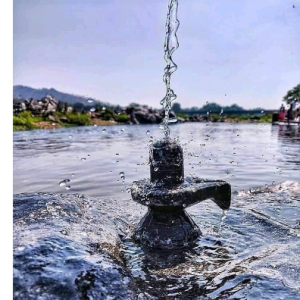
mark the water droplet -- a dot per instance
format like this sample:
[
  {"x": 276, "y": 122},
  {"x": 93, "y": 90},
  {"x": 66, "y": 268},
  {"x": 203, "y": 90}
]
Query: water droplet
[
  {"x": 183, "y": 205},
  {"x": 92, "y": 109},
  {"x": 225, "y": 212},
  {"x": 73, "y": 175},
  {"x": 83, "y": 159},
  {"x": 121, "y": 173},
  {"x": 262, "y": 111},
  {"x": 155, "y": 169},
  {"x": 103, "y": 108},
  {"x": 122, "y": 130},
  {"x": 70, "y": 136},
  {"x": 64, "y": 182},
  {"x": 103, "y": 130},
  {"x": 90, "y": 100},
  {"x": 68, "y": 187},
  {"x": 117, "y": 154},
  {"x": 148, "y": 132},
  {"x": 224, "y": 215}
]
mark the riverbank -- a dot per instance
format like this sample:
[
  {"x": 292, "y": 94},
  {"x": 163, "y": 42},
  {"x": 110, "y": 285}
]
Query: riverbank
[
  {"x": 26, "y": 121},
  {"x": 224, "y": 118}
]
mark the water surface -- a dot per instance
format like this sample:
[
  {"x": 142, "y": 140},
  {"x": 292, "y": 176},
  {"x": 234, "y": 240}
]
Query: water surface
[
  {"x": 65, "y": 238},
  {"x": 245, "y": 155}
]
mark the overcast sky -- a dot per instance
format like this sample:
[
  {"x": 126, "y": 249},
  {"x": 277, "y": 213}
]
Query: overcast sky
[{"x": 112, "y": 50}]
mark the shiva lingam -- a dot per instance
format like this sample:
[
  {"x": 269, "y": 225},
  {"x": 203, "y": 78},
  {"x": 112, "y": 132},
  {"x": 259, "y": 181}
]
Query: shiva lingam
[{"x": 167, "y": 194}]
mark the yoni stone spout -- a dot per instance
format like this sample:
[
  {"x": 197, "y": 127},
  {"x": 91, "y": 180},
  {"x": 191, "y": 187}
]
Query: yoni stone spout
[{"x": 166, "y": 224}]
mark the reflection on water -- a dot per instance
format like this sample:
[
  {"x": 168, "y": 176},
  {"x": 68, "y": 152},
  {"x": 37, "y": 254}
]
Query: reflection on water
[
  {"x": 245, "y": 155},
  {"x": 289, "y": 139}
]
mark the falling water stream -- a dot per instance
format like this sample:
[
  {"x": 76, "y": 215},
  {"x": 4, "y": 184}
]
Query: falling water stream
[{"x": 171, "y": 44}]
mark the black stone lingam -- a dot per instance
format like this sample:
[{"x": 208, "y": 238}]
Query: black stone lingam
[{"x": 167, "y": 225}]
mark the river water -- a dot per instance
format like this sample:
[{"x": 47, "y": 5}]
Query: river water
[
  {"x": 80, "y": 247},
  {"x": 92, "y": 158}
]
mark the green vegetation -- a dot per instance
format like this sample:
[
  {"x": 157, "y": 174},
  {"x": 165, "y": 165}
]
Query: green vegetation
[
  {"x": 181, "y": 115},
  {"x": 25, "y": 121},
  {"x": 211, "y": 107},
  {"x": 79, "y": 119},
  {"x": 265, "y": 118},
  {"x": 292, "y": 95},
  {"x": 242, "y": 118},
  {"x": 107, "y": 114},
  {"x": 122, "y": 118}
]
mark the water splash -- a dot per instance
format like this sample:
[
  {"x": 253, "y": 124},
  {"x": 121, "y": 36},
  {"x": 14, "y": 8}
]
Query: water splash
[
  {"x": 171, "y": 44},
  {"x": 224, "y": 216}
]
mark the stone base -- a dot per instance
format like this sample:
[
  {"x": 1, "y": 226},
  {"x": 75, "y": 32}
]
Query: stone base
[{"x": 166, "y": 228}]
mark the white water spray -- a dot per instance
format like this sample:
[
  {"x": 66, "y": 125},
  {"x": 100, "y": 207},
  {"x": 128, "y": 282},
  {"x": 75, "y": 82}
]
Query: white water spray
[{"x": 171, "y": 44}]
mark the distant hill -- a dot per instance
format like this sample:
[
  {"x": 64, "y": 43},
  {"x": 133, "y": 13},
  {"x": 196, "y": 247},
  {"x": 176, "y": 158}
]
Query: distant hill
[{"x": 27, "y": 92}]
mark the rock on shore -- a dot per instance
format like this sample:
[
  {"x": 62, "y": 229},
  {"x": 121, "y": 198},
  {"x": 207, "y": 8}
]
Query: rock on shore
[{"x": 142, "y": 114}]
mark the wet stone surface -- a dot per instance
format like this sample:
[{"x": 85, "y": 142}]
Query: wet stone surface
[
  {"x": 193, "y": 190},
  {"x": 76, "y": 247},
  {"x": 166, "y": 162},
  {"x": 66, "y": 247},
  {"x": 167, "y": 225}
]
